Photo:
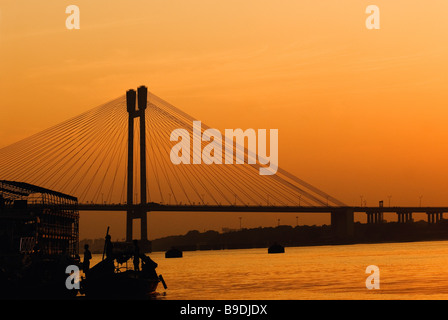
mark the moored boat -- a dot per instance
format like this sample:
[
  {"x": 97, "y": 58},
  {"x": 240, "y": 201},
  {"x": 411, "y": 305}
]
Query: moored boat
[
  {"x": 173, "y": 253},
  {"x": 106, "y": 281},
  {"x": 110, "y": 279},
  {"x": 276, "y": 248}
]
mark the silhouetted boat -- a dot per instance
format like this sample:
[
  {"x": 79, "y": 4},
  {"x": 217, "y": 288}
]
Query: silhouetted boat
[
  {"x": 276, "y": 248},
  {"x": 104, "y": 280},
  {"x": 173, "y": 253}
]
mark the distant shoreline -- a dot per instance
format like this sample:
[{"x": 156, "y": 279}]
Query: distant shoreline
[
  {"x": 288, "y": 236},
  {"x": 322, "y": 245}
]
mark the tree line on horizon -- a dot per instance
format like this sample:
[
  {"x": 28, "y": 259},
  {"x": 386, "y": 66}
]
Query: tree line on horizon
[{"x": 263, "y": 237}]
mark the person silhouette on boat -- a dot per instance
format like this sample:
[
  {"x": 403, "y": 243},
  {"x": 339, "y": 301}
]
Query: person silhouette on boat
[
  {"x": 87, "y": 258},
  {"x": 109, "y": 247},
  {"x": 149, "y": 267},
  {"x": 136, "y": 256}
]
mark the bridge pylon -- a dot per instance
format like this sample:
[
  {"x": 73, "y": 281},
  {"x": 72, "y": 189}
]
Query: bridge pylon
[{"x": 136, "y": 212}]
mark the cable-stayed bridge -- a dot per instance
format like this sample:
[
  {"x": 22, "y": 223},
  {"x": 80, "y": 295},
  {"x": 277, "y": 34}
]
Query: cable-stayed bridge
[{"x": 116, "y": 157}]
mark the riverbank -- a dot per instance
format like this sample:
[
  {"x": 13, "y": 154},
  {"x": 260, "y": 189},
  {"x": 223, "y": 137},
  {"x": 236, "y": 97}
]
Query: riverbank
[
  {"x": 304, "y": 236},
  {"x": 298, "y": 236}
]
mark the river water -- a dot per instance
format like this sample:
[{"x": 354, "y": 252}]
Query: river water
[{"x": 406, "y": 271}]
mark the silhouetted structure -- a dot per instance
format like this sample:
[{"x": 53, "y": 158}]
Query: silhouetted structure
[
  {"x": 34, "y": 218},
  {"x": 238, "y": 188},
  {"x": 38, "y": 240},
  {"x": 139, "y": 212},
  {"x": 95, "y": 167}
]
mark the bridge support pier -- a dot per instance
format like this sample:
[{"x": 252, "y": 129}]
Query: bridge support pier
[
  {"x": 434, "y": 217},
  {"x": 404, "y": 217},
  {"x": 342, "y": 223},
  {"x": 374, "y": 217}
]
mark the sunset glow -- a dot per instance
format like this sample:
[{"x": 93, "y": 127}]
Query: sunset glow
[{"x": 359, "y": 112}]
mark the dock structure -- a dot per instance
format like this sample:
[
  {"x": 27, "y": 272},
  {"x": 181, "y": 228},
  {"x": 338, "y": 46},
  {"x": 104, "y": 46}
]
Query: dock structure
[{"x": 37, "y": 220}]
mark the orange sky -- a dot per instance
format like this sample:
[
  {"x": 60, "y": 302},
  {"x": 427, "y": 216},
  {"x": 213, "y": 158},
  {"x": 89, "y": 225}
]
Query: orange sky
[{"x": 359, "y": 112}]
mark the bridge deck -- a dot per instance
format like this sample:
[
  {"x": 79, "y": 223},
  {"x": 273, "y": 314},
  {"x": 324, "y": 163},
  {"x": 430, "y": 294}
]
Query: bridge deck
[{"x": 226, "y": 208}]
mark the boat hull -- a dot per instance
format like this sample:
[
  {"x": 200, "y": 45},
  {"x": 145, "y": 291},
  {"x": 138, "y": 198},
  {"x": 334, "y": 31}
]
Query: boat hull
[{"x": 125, "y": 285}]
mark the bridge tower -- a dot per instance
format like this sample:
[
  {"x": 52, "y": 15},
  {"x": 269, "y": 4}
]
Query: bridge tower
[{"x": 135, "y": 212}]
